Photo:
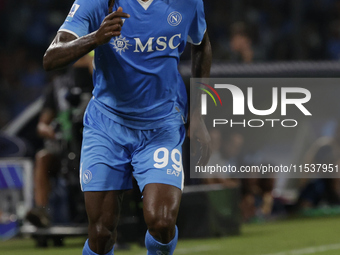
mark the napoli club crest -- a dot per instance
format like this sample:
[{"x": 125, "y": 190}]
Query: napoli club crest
[
  {"x": 174, "y": 18},
  {"x": 87, "y": 176}
]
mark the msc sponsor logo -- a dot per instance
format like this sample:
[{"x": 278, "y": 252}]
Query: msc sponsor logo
[
  {"x": 161, "y": 43},
  {"x": 120, "y": 44}
]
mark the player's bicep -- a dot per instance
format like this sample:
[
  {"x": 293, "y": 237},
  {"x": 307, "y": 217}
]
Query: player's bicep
[
  {"x": 63, "y": 37},
  {"x": 201, "y": 55},
  {"x": 203, "y": 45}
]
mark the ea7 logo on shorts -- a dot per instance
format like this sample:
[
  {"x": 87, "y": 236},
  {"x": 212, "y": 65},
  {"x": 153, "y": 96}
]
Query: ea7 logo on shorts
[
  {"x": 173, "y": 172},
  {"x": 174, "y": 18},
  {"x": 73, "y": 10},
  {"x": 87, "y": 176}
]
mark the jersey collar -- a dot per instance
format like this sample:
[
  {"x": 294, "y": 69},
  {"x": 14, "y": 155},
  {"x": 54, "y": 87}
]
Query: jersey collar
[{"x": 146, "y": 4}]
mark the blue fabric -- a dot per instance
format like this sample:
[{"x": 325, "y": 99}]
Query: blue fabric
[
  {"x": 112, "y": 152},
  {"x": 88, "y": 251},
  {"x": 156, "y": 248},
  {"x": 136, "y": 79}
]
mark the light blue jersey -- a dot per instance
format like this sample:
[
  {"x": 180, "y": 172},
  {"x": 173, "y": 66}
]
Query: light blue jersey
[{"x": 136, "y": 79}]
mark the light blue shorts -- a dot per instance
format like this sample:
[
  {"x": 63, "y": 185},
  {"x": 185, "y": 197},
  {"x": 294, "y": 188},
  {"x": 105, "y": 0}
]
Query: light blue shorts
[{"x": 111, "y": 153}]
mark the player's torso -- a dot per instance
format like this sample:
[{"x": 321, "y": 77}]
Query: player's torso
[{"x": 136, "y": 73}]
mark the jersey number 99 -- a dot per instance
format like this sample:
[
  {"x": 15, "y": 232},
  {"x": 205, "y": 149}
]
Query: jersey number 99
[{"x": 161, "y": 157}]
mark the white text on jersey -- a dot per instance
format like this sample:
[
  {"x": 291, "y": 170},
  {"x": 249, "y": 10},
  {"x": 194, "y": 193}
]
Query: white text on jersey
[{"x": 162, "y": 44}]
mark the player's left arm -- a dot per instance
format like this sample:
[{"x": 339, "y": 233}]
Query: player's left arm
[{"x": 201, "y": 58}]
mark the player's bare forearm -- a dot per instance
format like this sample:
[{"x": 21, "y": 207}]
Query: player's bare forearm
[
  {"x": 201, "y": 57},
  {"x": 67, "y": 48}
]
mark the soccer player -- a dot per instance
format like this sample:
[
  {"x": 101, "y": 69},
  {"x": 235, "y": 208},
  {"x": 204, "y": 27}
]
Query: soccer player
[{"x": 134, "y": 123}]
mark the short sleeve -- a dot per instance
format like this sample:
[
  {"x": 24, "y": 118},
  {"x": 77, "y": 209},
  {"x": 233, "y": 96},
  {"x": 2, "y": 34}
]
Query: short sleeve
[
  {"x": 198, "y": 25},
  {"x": 78, "y": 19}
]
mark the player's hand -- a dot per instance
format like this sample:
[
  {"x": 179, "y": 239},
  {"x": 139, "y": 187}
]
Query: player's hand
[
  {"x": 111, "y": 26},
  {"x": 198, "y": 131}
]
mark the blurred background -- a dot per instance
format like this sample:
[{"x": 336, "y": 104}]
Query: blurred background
[
  {"x": 240, "y": 32},
  {"x": 40, "y": 134}
]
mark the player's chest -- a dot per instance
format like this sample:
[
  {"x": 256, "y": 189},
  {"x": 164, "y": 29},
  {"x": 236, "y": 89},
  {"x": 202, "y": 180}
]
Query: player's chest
[
  {"x": 159, "y": 28},
  {"x": 158, "y": 20}
]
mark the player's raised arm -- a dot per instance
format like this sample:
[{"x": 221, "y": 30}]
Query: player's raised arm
[
  {"x": 67, "y": 48},
  {"x": 201, "y": 58}
]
